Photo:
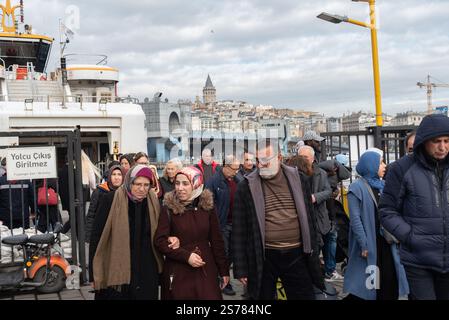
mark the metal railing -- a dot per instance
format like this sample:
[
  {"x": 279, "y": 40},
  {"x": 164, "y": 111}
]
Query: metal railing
[
  {"x": 62, "y": 100},
  {"x": 73, "y": 57},
  {"x": 353, "y": 143}
]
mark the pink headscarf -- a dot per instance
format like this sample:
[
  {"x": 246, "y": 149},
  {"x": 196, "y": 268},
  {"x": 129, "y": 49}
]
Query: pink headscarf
[
  {"x": 195, "y": 178},
  {"x": 135, "y": 172}
]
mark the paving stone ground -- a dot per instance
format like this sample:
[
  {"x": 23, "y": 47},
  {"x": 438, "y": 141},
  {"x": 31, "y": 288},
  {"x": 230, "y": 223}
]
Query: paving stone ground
[{"x": 85, "y": 293}]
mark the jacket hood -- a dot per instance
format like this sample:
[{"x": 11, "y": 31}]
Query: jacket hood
[
  {"x": 368, "y": 165},
  {"x": 205, "y": 201},
  {"x": 432, "y": 126}
]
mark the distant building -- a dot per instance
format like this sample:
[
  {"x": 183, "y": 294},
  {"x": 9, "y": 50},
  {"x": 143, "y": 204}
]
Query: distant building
[
  {"x": 318, "y": 122},
  {"x": 168, "y": 125},
  {"x": 333, "y": 124},
  {"x": 296, "y": 127},
  {"x": 275, "y": 128},
  {"x": 408, "y": 118},
  {"x": 209, "y": 122},
  {"x": 209, "y": 92},
  {"x": 359, "y": 121}
]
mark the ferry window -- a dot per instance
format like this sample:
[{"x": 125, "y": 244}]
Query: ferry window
[{"x": 107, "y": 96}]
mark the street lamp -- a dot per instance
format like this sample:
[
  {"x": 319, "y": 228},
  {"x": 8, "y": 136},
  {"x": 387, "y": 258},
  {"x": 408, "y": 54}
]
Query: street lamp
[
  {"x": 334, "y": 18},
  {"x": 375, "y": 54}
]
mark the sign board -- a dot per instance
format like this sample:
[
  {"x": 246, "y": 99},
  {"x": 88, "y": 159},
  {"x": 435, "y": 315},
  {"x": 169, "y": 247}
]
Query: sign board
[
  {"x": 441, "y": 110},
  {"x": 31, "y": 163}
]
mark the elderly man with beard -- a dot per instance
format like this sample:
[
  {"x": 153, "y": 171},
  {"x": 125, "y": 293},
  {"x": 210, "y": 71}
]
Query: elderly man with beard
[{"x": 273, "y": 235}]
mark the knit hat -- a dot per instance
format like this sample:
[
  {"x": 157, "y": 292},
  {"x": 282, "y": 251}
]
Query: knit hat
[{"x": 312, "y": 135}]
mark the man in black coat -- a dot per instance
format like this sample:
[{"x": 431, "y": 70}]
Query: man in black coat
[
  {"x": 273, "y": 234},
  {"x": 414, "y": 207}
]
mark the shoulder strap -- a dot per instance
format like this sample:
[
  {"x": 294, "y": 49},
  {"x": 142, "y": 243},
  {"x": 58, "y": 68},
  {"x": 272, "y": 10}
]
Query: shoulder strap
[{"x": 369, "y": 190}]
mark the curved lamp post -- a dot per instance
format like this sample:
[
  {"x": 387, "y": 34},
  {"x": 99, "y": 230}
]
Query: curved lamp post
[{"x": 372, "y": 26}]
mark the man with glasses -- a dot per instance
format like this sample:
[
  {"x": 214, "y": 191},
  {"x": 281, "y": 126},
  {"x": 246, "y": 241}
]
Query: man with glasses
[
  {"x": 273, "y": 234},
  {"x": 223, "y": 185}
]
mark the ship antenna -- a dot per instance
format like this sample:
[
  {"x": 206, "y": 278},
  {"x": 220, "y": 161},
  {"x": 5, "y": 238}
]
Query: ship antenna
[{"x": 22, "y": 16}]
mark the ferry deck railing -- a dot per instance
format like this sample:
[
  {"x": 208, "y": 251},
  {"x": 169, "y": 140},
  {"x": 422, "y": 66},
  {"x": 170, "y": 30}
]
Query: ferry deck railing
[{"x": 62, "y": 100}]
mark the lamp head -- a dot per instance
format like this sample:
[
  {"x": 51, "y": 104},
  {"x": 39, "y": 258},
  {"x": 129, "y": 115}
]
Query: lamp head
[{"x": 334, "y": 18}]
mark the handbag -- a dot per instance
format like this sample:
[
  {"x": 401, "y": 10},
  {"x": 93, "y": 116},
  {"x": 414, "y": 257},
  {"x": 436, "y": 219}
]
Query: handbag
[
  {"x": 42, "y": 196},
  {"x": 383, "y": 232}
]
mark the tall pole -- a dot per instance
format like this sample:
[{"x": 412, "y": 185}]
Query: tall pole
[
  {"x": 429, "y": 95},
  {"x": 63, "y": 63},
  {"x": 375, "y": 54}
]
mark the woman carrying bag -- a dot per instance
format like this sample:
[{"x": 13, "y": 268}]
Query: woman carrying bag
[{"x": 372, "y": 273}]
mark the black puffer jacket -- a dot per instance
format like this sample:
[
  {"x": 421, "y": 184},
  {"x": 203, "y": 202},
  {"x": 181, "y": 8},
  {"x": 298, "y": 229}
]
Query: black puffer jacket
[{"x": 414, "y": 206}]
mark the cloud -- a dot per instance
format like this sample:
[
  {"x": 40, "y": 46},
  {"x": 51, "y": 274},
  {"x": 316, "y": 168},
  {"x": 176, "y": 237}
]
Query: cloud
[{"x": 263, "y": 52}]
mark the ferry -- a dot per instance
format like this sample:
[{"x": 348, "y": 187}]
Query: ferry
[{"x": 77, "y": 94}]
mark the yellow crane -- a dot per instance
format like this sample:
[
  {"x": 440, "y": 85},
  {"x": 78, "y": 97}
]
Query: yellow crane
[{"x": 430, "y": 85}]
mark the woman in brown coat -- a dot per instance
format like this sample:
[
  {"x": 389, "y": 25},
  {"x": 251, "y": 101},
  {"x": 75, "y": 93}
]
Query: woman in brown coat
[{"x": 191, "y": 271}]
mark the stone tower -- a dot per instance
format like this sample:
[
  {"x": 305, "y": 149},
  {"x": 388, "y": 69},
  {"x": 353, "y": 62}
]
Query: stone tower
[{"x": 209, "y": 92}]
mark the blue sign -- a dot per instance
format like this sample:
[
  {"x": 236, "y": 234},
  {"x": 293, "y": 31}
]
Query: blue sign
[{"x": 441, "y": 110}]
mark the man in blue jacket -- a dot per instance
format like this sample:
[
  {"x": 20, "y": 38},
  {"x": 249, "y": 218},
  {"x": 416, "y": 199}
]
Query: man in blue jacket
[
  {"x": 223, "y": 185},
  {"x": 414, "y": 207}
]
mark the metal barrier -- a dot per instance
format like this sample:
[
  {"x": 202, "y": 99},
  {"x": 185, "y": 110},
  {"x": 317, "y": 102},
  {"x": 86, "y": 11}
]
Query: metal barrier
[
  {"x": 62, "y": 100},
  {"x": 353, "y": 143},
  {"x": 26, "y": 193}
]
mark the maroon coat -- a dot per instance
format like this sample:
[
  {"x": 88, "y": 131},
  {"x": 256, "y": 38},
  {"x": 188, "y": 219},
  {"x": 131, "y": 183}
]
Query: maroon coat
[{"x": 195, "y": 226}]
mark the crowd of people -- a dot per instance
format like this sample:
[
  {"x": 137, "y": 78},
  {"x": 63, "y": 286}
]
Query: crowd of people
[{"x": 268, "y": 219}]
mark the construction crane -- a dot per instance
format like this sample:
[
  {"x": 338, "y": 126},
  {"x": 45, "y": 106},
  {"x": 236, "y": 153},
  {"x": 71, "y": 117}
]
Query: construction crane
[{"x": 429, "y": 85}]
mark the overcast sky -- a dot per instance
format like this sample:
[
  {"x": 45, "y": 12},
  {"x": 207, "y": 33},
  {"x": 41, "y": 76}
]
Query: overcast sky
[{"x": 263, "y": 52}]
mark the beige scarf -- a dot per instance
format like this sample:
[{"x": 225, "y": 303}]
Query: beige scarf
[{"x": 112, "y": 260}]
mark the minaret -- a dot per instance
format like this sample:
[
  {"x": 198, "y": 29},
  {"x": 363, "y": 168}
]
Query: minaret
[{"x": 209, "y": 92}]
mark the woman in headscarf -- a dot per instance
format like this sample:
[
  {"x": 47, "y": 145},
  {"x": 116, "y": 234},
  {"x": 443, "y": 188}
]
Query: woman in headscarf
[
  {"x": 126, "y": 264},
  {"x": 191, "y": 271},
  {"x": 126, "y": 161},
  {"x": 113, "y": 181},
  {"x": 167, "y": 180},
  {"x": 372, "y": 272}
]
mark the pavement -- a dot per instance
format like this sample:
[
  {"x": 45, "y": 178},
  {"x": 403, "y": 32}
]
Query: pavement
[
  {"x": 86, "y": 293},
  {"x": 82, "y": 294}
]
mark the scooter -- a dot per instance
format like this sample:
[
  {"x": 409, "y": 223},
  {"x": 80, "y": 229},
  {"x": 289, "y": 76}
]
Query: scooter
[{"x": 44, "y": 266}]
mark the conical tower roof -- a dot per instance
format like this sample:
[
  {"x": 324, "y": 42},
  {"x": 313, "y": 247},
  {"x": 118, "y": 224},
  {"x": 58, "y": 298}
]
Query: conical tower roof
[{"x": 209, "y": 83}]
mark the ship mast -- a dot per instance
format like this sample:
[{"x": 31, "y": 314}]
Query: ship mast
[{"x": 9, "y": 21}]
